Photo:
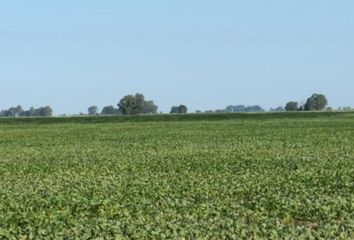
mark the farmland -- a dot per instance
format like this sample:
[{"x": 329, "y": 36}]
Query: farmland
[{"x": 226, "y": 176}]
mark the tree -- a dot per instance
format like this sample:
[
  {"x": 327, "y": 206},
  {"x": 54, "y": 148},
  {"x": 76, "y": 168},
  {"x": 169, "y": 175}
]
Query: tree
[
  {"x": 254, "y": 108},
  {"x": 43, "y": 112},
  {"x": 174, "y": 109},
  {"x": 47, "y": 111},
  {"x": 220, "y": 110},
  {"x": 11, "y": 112},
  {"x": 28, "y": 113},
  {"x": 316, "y": 102},
  {"x": 242, "y": 108},
  {"x": 183, "y": 109},
  {"x": 132, "y": 104},
  {"x": 19, "y": 110},
  {"x": 139, "y": 104},
  {"x": 108, "y": 110},
  {"x": 150, "y": 107},
  {"x": 179, "y": 109},
  {"x": 136, "y": 104},
  {"x": 237, "y": 108},
  {"x": 92, "y": 110},
  {"x": 278, "y": 109},
  {"x": 291, "y": 106}
]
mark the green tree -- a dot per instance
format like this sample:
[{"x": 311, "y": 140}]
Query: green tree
[
  {"x": 43, "y": 112},
  {"x": 92, "y": 110},
  {"x": 31, "y": 111},
  {"x": 47, "y": 111},
  {"x": 174, "y": 109},
  {"x": 183, "y": 109},
  {"x": 128, "y": 105},
  {"x": 179, "y": 109},
  {"x": 291, "y": 106},
  {"x": 139, "y": 104},
  {"x": 316, "y": 102},
  {"x": 136, "y": 104},
  {"x": 150, "y": 107},
  {"x": 108, "y": 110},
  {"x": 19, "y": 110}
]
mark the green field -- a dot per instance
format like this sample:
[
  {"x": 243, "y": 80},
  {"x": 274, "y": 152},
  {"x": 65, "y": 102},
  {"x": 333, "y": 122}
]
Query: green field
[{"x": 218, "y": 176}]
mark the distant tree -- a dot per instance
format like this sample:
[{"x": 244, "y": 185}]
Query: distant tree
[
  {"x": 316, "y": 102},
  {"x": 92, "y": 110},
  {"x": 220, "y": 110},
  {"x": 242, "y": 108},
  {"x": 183, "y": 109},
  {"x": 47, "y": 111},
  {"x": 44, "y": 111},
  {"x": 31, "y": 111},
  {"x": 198, "y": 111},
  {"x": 11, "y": 112},
  {"x": 26, "y": 113},
  {"x": 19, "y": 110},
  {"x": 150, "y": 107},
  {"x": 139, "y": 104},
  {"x": 229, "y": 108},
  {"x": 136, "y": 104},
  {"x": 174, "y": 109},
  {"x": 237, "y": 108},
  {"x": 179, "y": 109},
  {"x": 278, "y": 109},
  {"x": 291, "y": 106},
  {"x": 254, "y": 108},
  {"x": 108, "y": 110},
  {"x": 127, "y": 104}
]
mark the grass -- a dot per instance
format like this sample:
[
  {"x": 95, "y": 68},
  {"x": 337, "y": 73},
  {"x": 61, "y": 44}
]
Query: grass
[{"x": 212, "y": 176}]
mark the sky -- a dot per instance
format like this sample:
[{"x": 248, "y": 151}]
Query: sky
[{"x": 206, "y": 54}]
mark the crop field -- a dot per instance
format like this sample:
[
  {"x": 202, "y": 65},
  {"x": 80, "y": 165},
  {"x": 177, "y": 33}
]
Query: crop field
[{"x": 258, "y": 176}]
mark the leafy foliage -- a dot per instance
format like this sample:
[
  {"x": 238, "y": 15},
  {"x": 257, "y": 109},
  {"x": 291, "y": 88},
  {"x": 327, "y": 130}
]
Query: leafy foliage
[
  {"x": 243, "y": 176},
  {"x": 242, "y": 108},
  {"x": 131, "y": 105},
  {"x": 93, "y": 110},
  {"x": 109, "y": 110},
  {"x": 292, "y": 106},
  {"x": 316, "y": 102},
  {"x": 32, "y": 112},
  {"x": 179, "y": 109}
]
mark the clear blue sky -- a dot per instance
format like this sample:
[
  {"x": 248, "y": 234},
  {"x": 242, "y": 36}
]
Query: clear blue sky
[{"x": 203, "y": 53}]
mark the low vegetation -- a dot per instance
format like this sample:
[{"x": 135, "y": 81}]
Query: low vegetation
[{"x": 211, "y": 176}]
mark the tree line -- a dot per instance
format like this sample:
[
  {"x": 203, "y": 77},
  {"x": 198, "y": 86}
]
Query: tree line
[
  {"x": 316, "y": 102},
  {"x": 132, "y": 105},
  {"x": 128, "y": 105},
  {"x": 243, "y": 108},
  {"x": 137, "y": 104},
  {"x": 31, "y": 112}
]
